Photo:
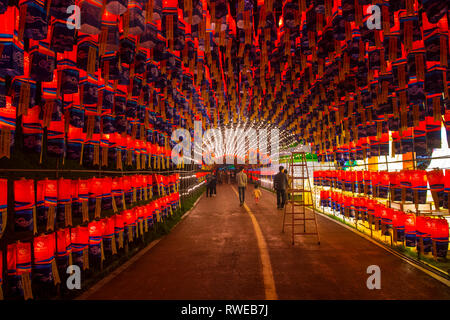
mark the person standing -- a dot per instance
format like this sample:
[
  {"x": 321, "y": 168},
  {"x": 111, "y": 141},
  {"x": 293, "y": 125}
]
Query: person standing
[
  {"x": 280, "y": 183},
  {"x": 209, "y": 179},
  {"x": 214, "y": 184},
  {"x": 241, "y": 179}
]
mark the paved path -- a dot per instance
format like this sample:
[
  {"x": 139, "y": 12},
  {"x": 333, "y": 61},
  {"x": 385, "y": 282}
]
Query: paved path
[{"x": 214, "y": 254}]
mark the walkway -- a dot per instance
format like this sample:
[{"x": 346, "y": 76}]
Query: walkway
[{"x": 213, "y": 254}]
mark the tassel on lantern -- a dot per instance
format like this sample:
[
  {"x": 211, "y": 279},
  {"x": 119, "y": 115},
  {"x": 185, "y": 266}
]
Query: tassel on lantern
[
  {"x": 138, "y": 162},
  {"x": 124, "y": 202},
  {"x": 5, "y": 143},
  {"x": 85, "y": 258},
  {"x": 92, "y": 59},
  {"x": 34, "y": 220},
  {"x": 56, "y": 279},
  {"x": 51, "y": 218},
  {"x": 102, "y": 254},
  {"x": 141, "y": 228},
  {"x": 98, "y": 207},
  {"x": 24, "y": 99},
  {"x": 26, "y": 286},
  {"x": 85, "y": 211},
  {"x": 113, "y": 245},
  {"x": 134, "y": 195},
  {"x": 437, "y": 109},
  {"x": 420, "y": 70},
  {"x": 416, "y": 115},
  {"x": 96, "y": 160},
  {"x": 408, "y": 34},
  {"x": 119, "y": 160},
  {"x": 114, "y": 204},
  {"x": 120, "y": 239},
  {"x": 130, "y": 233},
  {"x": 68, "y": 214},
  {"x": 104, "y": 156}
]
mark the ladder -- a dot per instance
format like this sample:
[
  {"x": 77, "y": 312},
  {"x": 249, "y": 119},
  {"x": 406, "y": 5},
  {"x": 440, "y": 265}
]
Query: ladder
[{"x": 298, "y": 208}]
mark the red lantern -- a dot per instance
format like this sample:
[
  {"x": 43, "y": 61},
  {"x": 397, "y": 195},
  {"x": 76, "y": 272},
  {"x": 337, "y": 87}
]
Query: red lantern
[
  {"x": 440, "y": 234},
  {"x": 419, "y": 184},
  {"x": 23, "y": 205},
  {"x": 410, "y": 230}
]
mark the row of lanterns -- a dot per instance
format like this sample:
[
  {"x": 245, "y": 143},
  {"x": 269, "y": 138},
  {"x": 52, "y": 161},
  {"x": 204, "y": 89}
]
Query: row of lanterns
[
  {"x": 83, "y": 246},
  {"x": 405, "y": 185},
  {"x": 52, "y": 204},
  {"x": 426, "y": 233}
]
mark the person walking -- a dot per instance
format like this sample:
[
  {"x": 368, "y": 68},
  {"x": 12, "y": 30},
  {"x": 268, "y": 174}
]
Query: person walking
[
  {"x": 256, "y": 193},
  {"x": 280, "y": 183},
  {"x": 241, "y": 179}
]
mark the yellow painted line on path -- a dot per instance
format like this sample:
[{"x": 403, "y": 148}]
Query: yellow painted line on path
[{"x": 269, "y": 282}]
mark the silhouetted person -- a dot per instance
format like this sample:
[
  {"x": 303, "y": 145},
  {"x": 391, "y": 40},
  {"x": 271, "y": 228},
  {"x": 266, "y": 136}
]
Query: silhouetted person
[{"x": 280, "y": 183}]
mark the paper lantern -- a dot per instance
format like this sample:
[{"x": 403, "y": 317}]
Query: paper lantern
[
  {"x": 423, "y": 233},
  {"x": 24, "y": 202},
  {"x": 80, "y": 247},
  {"x": 119, "y": 230},
  {"x": 19, "y": 268},
  {"x": 3, "y": 204},
  {"x": 63, "y": 249},
  {"x": 108, "y": 236},
  {"x": 83, "y": 195},
  {"x": 64, "y": 216},
  {"x": 96, "y": 253},
  {"x": 440, "y": 235},
  {"x": 398, "y": 222},
  {"x": 410, "y": 230},
  {"x": 44, "y": 268},
  {"x": 418, "y": 180}
]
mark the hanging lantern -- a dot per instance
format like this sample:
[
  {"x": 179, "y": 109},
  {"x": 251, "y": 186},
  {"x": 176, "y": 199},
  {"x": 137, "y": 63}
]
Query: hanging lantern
[
  {"x": 96, "y": 253},
  {"x": 95, "y": 196},
  {"x": 440, "y": 236},
  {"x": 398, "y": 224},
  {"x": 107, "y": 194},
  {"x": 423, "y": 233},
  {"x": 83, "y": 195},
  {"x": 24, "y": 206},
  {"x": 396, "y": 189},
  {"x": 119, "y": 230},
  {"x": 44, "y": 268},
  {"x": 405, "y": 183},
  {"x": 80, "y": 247},
  {"x": 129, "y": 218},
  {"x": 117, "y": 194},
  {"x": 410, "y": 230},
  {"x": 108, "y": 236},
  {"x": 383, "y": 188},
  {"x": 63, "y": 250},
  {"x": 19, "y": 269},
  {"x": 64, "y": 217},
  {"x": 418, "y": 180},
  {"x": 3, "y": 205}
]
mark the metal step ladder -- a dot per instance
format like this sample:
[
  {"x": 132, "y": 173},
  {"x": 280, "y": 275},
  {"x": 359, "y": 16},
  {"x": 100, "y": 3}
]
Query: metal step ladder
[{"x": 299, "y": 209}]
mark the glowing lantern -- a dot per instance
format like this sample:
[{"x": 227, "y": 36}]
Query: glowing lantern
[
  {"x": 64, "y": 217},
  {"x": 63, "y": 249},
  {"x": 440, "y": 236},
  {"x": 410, "y": 230},
  {"x": 24, "y": 206},
  {"x": 95, "y": 196},
  {"x": 19, "y": 269},
  {"x": 398, "y": 223},
  {"x": 418, "y": 180},
  {"x": 118, "y": 230},
  {"x": 129, "y": 218},
  {"x": 405, "y": 183},
  {"x": 108, "y": 236},
  {"x": 80, "y": 246},
  {"x": 3, "y": 204},
  {"x": 83, "y": 195},
  {"x": 118, "y": 197},
  {"x": 423, "y": 233},
  {"x": 45, "y": 269},
  {"x": 383, "y": 188},
  {"x": 396, "y": 190},
  {"x": 96, "y": 253}
]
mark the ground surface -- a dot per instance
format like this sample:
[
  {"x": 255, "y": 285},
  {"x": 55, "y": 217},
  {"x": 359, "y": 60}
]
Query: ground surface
[{"x": 213, "y": 254}]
